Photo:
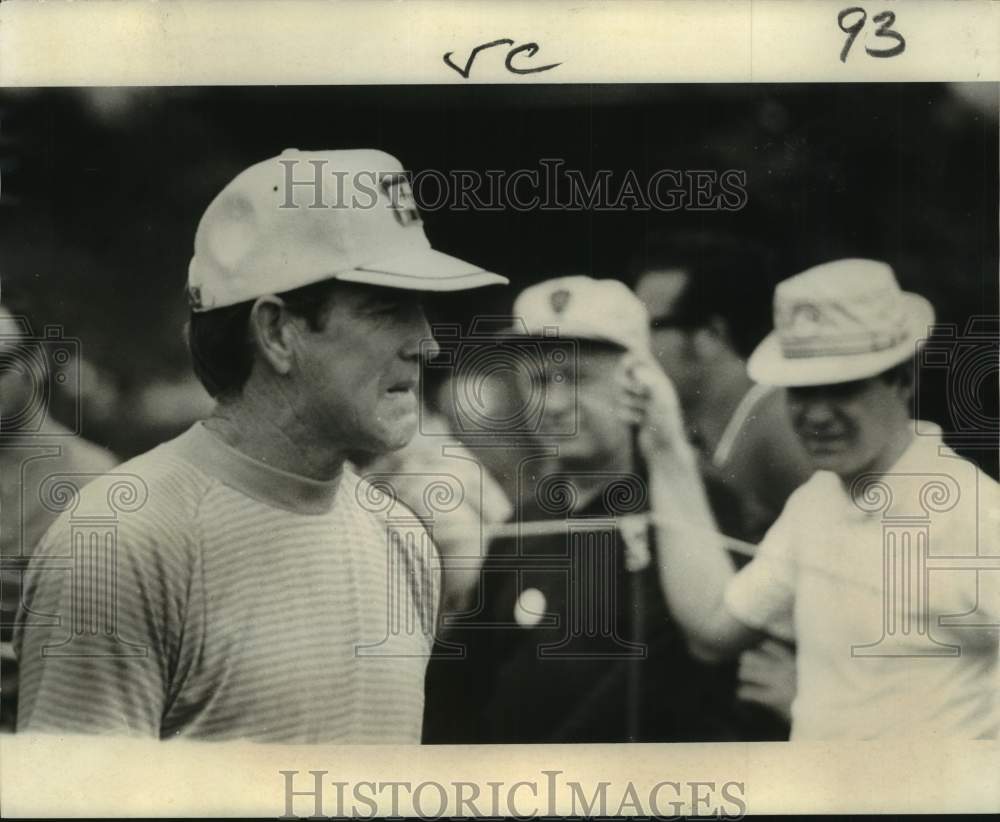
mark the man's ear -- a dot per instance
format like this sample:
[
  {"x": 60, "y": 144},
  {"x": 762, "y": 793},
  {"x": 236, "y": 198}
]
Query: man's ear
[
  {"x": 905, "y": 387},
  {"x": 901, "y": 378},
  {"x": 272, "y": 333}
]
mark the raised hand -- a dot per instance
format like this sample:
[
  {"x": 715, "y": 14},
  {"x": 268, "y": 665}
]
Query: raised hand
[{"x": 649, "y": 400}]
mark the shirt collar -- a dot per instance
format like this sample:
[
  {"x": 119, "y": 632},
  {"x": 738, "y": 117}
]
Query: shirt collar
[
  {"x": 923, "y": 449},
  {"x": 256, "y": 479}
]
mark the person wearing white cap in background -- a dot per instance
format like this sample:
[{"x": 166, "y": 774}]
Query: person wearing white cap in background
[
  {"x": 888, "y": 645},
  {"x": 570, "y": 640},
  {"x": 252, "y": 587}
]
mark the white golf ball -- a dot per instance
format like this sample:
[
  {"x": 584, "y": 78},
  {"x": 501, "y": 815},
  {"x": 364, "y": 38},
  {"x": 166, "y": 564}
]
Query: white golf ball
[{"x": 530, "y": 607}]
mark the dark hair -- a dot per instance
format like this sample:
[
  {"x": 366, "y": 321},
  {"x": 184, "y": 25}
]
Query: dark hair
[
  {"x": 902, "y": 373},
  {"x": 727, "y": 277},
  {"x": 219, "y": 340}
]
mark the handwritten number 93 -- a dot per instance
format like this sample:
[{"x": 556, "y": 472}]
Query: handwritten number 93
[{"x": 885, "y": 18}]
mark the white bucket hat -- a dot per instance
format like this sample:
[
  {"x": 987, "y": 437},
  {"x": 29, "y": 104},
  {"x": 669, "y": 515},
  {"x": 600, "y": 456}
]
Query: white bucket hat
[
  {"x": 837, "y": 322},
  {"x": 308, "y": 216},
  {"x": 587, "y": 309}
]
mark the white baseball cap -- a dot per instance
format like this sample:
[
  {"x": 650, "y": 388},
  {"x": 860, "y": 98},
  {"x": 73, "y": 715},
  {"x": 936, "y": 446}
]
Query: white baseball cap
[
  {"x": 307, "y": 216},
  {"x": 841, "y": 321},
  {"x": 588, "y": 309}
]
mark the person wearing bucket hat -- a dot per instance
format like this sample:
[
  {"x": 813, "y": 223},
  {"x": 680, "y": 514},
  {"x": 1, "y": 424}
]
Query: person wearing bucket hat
[
  {"x": 533, "y": 672},
  {"x": 257, "y": 588},
  {"x": 885, "y": 647},
  {"x": 837, "y": 326},
  {"x": 837, "y": 322}
]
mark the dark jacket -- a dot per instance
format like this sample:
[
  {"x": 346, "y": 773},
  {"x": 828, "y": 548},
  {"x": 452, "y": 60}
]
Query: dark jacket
[{"x": 604, "y": 663}]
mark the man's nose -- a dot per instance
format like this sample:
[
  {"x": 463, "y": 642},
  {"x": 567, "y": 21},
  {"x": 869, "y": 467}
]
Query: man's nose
[
  {"x": 815, "y": 412},
  {"x": 420, "y": 342}
]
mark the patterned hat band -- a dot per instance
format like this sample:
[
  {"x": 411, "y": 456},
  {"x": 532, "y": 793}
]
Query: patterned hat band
[
  {"x": 837, "y": 322},
  {"x": 863, "y": 342}
]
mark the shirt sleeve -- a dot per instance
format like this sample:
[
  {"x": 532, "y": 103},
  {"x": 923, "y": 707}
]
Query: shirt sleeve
[
  {"x": 97, "y": 631},
  {"x": 762, "y": 594}
]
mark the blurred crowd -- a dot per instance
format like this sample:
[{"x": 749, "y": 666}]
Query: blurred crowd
[
  {"x": 524, "y": 435},
  {"x": 529, "y": 479},
  {"x": 558, "y": 618},
  {"x": 102, "y": 188}
]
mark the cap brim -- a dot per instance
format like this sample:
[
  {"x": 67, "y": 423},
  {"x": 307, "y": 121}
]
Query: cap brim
[
  {"x": 423, "y": 270},
  {"x": 567, "y": 331},
  {"x": 769, "y": 366}
]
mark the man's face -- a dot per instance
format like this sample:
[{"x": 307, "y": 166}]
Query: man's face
[
  {"x": 588, "y": 394},
  {"x": 849, "y": 428},
  {"x": 660, "y": 290},
  {"x": 357, "y": 378}
]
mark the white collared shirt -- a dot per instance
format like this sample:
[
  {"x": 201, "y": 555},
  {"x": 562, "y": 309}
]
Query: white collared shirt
[{"x": 889, "y": 643}]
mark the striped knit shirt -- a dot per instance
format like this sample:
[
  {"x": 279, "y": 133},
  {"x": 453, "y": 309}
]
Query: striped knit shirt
[{"x": 246, "y": 603}]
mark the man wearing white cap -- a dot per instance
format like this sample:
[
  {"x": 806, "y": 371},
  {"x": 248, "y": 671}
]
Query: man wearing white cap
[
  {"x": 895, "y": 635},
  {"x": 571, "y": 640},
  {"x": 251, "y": 591}
]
